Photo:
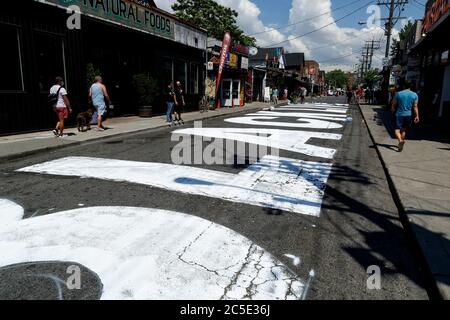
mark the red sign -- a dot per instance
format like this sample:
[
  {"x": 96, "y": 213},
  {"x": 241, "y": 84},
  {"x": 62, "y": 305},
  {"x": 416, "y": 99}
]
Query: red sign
[
  {"x": 223, "y": 57},
  {"x": 239, "y": 48},
  {"x": 435, "y": 11}
]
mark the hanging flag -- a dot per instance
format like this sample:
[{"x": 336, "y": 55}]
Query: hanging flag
[{"x": 223, "y": 57}]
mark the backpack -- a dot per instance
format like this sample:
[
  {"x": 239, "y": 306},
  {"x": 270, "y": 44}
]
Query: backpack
[{"x": 52, "y": 98}]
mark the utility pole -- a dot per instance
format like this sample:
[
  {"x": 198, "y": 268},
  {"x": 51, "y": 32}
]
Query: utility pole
[
  {"x": 392, "y": 5},
  {"x": 367, "y": 56}
]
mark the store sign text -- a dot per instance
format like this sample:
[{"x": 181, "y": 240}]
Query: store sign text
[
  {"x": 124, "y": 12},
  {"x": 435, "y": 11}
]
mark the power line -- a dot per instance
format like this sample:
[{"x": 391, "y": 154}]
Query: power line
[
  {"x": 341, "y": 57},
  {"x": 321, "y": 28},
  {"x": 338, "y": 42},
  {"x": 306, "y": 20}
]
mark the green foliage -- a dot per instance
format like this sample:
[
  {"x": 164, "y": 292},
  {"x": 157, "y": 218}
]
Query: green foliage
[
  {"x": 395, "y": 46},
  {"x": 91, "y": 73},
  {"x": 371, "y": 77},
  {"x": 146, "y": 89},
  {"x": 213, "y": 17},
  {"x": 337, "y": 78}
]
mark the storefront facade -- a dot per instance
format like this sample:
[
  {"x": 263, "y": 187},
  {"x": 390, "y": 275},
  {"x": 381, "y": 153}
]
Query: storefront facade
[
  {"x": 234, "y": 85},
  {"x": 433, "y": 54},
  {"x": 117, "y": 38}
]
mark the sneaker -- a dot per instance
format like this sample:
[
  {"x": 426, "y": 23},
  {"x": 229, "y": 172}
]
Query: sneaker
[
  {"x": 100, "y": 129},
  {"x": 56, "y": 132},
  {"x": 170, "y": 124},
  {"x": 400, "y": 146}
]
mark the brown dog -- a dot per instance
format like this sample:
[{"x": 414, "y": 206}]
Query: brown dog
[{"x": 84, "y": 120}]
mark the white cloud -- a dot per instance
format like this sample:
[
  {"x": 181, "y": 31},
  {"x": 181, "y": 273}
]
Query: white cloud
[
  {"x": 342, "y": 42},
  {"x": 165, "y": 4}
]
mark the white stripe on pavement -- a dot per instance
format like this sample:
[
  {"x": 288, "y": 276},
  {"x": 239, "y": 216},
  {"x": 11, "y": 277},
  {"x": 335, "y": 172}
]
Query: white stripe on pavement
[
  {"x": 10, "y": 212},
  {"x": 280, "y": 183}
]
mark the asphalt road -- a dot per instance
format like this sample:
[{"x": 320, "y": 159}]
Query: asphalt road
[{"x": 263, "y": 251}]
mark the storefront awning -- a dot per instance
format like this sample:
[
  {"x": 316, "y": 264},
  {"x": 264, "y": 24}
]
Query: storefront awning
[{"x": 437, "y": 36}]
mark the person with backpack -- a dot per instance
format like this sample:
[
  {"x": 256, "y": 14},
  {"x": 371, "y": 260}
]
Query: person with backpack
[{"x": 61, "y": 105}]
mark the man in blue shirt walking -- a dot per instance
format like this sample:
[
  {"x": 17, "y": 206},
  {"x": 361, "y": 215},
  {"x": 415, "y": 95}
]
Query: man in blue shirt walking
[{"x": 403, "y": 104}]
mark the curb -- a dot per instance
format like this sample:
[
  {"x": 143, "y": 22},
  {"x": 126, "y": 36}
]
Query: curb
[
  {"x": 433, "y": 289},
  {"x": 78, "y": 143}
]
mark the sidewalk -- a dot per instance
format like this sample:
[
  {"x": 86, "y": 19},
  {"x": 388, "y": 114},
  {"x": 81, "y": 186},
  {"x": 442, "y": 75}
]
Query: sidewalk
[
  {"x": 421, "y": 178},
  {"x": 24, "y": 144}
]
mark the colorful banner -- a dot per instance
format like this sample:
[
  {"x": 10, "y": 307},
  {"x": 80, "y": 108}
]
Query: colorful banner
[{"x": 223, "y": 57}]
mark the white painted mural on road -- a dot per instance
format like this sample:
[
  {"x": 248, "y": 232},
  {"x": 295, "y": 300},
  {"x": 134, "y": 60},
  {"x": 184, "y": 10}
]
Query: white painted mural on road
[
  {"x": 9, "y": 212},
  {"x": 280, "y": 183},
  {"x": 290, "y": 140},
  {"x": 153, "y": 254},
  {"x": 300, "y": 115},
  {"x": 305, "y": 122}
]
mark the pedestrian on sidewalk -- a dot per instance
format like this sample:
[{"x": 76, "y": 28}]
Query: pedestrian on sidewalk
[
  {"x": 275, "y": 96},
  {"x": 180, "y": 103},
  {"x": 403, "y": 104},
  {"x": 369, "y": 96},
  {"x": 359, "y": 94},
  {"x": 349, "y": 96},
  {"x": 170, "y": 103},
  {"x": 100, "y": 97},
  {"x": 61, "y": 106}
]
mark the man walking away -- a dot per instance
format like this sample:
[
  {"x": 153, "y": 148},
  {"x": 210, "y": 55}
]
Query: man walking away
[
  {"x": 179, "y": 103},
  {"x": 170, "y": 103},
  {"x": 98, "y": 94},
  {"x": 403, "y": 104},
  {"x": 61, "y": 106}
]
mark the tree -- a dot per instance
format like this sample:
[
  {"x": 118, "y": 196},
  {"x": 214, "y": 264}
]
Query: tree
[
  {"x": 371, "y": 76},
  {"x": 337, "y": 78},
  {"x": 213, "y": 17},
  {"x": 395, "y": 47}
]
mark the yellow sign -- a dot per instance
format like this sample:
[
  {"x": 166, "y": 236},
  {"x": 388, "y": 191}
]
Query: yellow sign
[{"x": 233, "y": 63}]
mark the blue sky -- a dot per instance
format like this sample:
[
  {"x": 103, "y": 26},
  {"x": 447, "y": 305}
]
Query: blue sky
[
  {"x": 277, "y": 12},
  {"x": 336, "y": 46}
]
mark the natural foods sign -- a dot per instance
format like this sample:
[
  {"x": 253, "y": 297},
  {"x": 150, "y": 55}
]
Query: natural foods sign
[{"x": 124, "y": 12}]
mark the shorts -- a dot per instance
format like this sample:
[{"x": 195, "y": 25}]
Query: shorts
[
  {"x": 403, "y": 122},
  {"x": 62, "y": 113},
  {"x": 177, "y": 108},
  {"x": 101, "y": 110}
]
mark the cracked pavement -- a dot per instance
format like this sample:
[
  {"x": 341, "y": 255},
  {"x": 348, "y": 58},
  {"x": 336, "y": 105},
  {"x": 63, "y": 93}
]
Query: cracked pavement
[{"x": 358, "y": 227}]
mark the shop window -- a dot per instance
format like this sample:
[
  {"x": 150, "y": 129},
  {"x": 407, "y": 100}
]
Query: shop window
[
  {"x": 50, "y": 59},
  {"x": 167, "y": 72},
  {"x": 181, "y": 73},
  {"x": 194, "y": 79},
  {"x": 11, "y": 61}
]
